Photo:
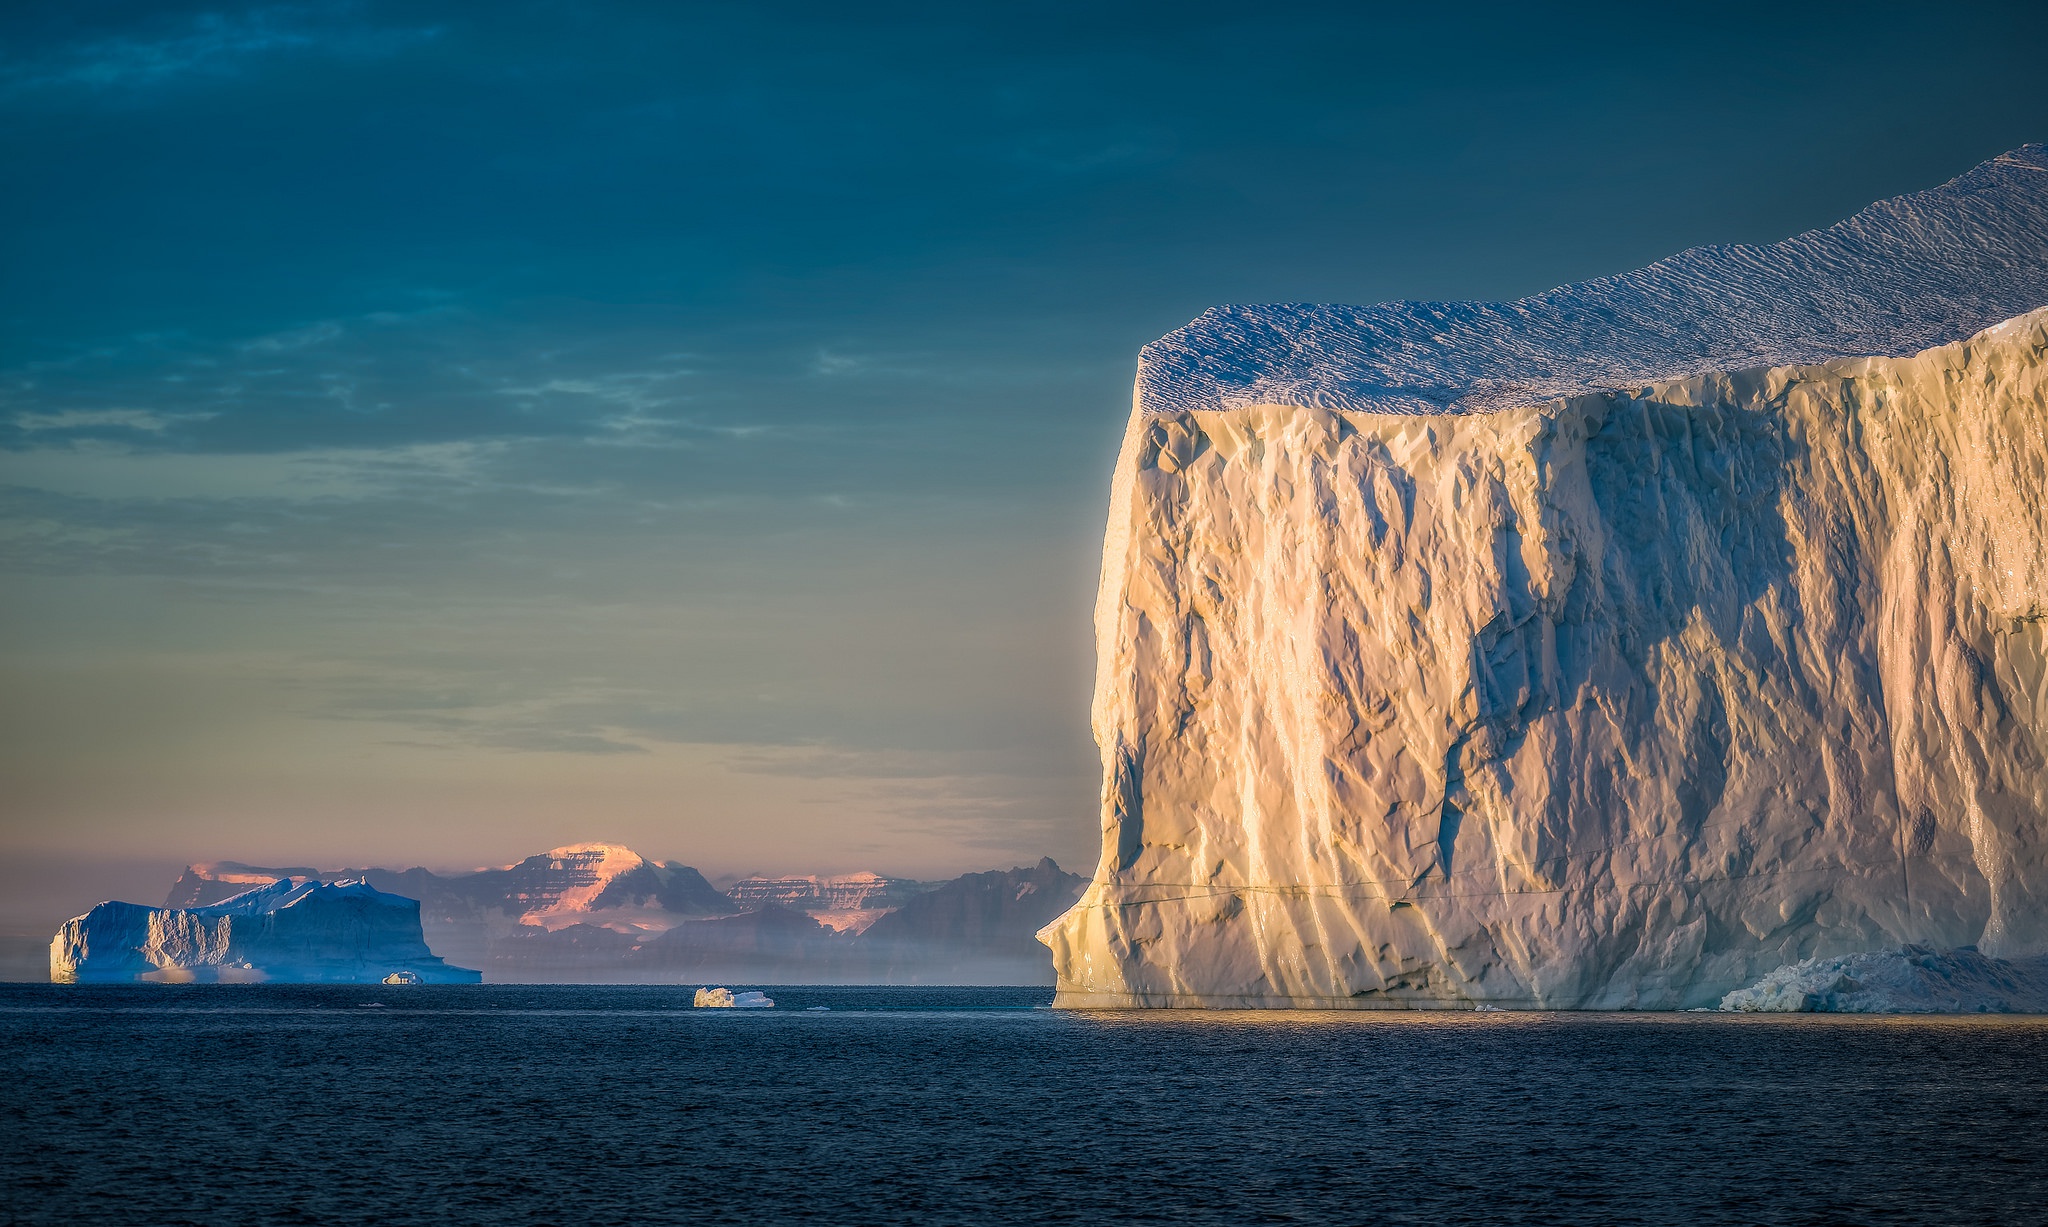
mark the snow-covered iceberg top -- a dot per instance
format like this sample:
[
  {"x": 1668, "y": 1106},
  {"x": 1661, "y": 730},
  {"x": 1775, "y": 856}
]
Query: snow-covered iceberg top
[
  {"x": 1899, "y": 277},
  {"x": 290, "y": 892},
  {"x": 294, "y": 930}
]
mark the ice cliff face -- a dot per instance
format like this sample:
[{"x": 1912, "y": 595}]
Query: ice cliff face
[
  {"x": 297, "y": 930},
  {"x": 1608, "y": 649}
]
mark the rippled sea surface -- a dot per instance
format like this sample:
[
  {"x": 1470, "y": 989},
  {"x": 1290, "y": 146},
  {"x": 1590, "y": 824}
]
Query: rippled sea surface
[{"x": 496, "y": 1104}]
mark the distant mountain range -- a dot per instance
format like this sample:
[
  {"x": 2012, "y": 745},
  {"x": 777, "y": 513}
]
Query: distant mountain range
[
  {"x": 596, "y": 913},
  {"x": 849, "y": 902},
  {"x": 602, "y": 884}
]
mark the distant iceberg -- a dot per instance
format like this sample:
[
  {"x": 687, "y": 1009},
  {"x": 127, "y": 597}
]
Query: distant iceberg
[
  {"x": 726, "y": 999},
  {"x": 1915, "y": 980},
  {"x": 295, "y": 931}
]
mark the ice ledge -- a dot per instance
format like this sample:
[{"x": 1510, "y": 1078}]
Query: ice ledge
[
  {"x": 1902, "y": 276},
  {"x": 1914, "y": 980}
]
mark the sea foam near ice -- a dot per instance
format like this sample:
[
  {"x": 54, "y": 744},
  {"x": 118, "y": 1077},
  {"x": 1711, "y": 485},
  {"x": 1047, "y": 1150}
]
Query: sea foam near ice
[{"x": 1913, "y": 980}]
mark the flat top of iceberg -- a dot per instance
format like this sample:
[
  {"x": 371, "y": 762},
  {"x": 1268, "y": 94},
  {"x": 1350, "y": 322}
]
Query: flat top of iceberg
[
  {"x": 287, "y": 892},
  {"x": 1901, "y": 276}
]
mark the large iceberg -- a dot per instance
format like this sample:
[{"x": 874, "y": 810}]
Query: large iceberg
[
  {"x": 1608, "y": 649},
  {"x": 295, "y": 930}
]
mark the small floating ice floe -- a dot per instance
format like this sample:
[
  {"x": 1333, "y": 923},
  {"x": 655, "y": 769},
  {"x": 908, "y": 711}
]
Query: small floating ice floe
[
  {"x": 726, "y": 999},
  {"x": 813, "y": 1009}
]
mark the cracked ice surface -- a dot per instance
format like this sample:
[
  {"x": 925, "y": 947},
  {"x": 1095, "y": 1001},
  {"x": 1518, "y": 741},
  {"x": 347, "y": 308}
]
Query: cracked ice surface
[{"x": 1899, "y": 277}]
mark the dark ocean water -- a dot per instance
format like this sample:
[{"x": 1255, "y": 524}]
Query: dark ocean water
[{"x": 498, "y": 1104}]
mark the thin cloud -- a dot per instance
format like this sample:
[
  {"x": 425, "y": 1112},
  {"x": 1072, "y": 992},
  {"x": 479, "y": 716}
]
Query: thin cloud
[
  {"x": 71, "y": 420},
  {"x": 635, "y": 407},
  {"x": 829, "y": 763},
  {"x": 839, "y": 363},
  {"x": 95, "y": 469},
  {"x": 1081, "y": 153},
  {"x": 208, "y": 45},
  {"x": 295, "y": 338}
]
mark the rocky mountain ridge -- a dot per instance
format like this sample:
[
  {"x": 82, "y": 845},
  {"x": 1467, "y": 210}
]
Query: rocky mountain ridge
[
  {"x": 843, "y": 902},
  {"x": 580, "y": 883}
]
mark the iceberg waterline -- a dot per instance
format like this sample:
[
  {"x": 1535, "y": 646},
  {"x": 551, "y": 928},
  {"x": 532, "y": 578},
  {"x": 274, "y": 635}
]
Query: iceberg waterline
[{"x": 1553, "y": 694}]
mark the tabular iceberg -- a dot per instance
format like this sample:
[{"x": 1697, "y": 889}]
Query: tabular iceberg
[
  {"x": 726, "y": 999},
  {"x": 296, "y": 930},
  {"x": 1608, "y": 649}
]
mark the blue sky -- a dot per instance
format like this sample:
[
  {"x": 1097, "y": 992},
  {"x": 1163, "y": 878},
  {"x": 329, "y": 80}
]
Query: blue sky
[{"x": 435, "y": 433}]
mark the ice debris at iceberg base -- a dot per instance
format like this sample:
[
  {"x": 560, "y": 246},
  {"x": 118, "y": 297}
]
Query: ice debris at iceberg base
[
  {"x": 726, "y": 999},
  {"x": 1915, "y": 980}
]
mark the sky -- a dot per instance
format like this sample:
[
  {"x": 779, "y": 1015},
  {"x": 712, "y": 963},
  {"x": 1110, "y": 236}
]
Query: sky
[{"x": 431, "y": 434}]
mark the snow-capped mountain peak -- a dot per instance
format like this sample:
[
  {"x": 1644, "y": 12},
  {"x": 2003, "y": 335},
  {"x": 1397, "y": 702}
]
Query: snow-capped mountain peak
[{"x": 587, "y": 872}]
